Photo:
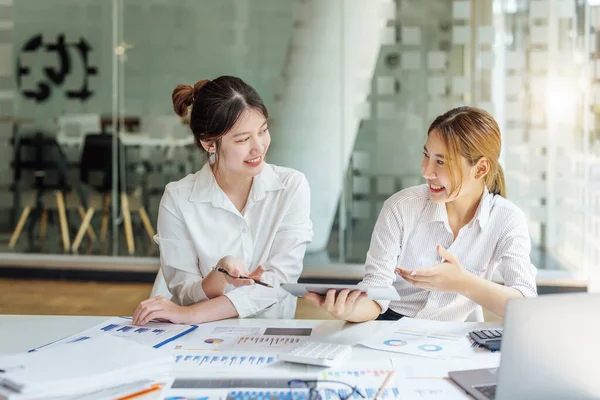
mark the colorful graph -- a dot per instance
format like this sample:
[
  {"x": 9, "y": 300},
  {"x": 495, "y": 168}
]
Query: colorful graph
[
  {"x": 361, "y": 373},
  {"x": 213, "y": 341},
  {"x": 430, "y": 347},
  {"x": 268, "y": 395},
  {"x": 268, "y": 340},
  {"x": 395, "y": 343},
  {"x": 326, "y": 394},
  {"x": 201, "y": 361}
]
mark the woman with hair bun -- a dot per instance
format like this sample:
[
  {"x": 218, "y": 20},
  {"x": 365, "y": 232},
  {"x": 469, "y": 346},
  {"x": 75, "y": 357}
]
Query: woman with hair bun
[{"x": 231, "y": 233}]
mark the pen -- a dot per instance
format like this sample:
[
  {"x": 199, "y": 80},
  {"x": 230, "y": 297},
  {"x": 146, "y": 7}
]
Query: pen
[
  {"x": 242, "y": 277},
  {"x": 151, "y": 389},
  {"x": 383, "y": 385}
]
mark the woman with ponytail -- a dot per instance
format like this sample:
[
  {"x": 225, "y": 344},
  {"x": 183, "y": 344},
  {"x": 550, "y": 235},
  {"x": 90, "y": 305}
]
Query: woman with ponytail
[
  {"x": 231, "y": 233},
  {"x": 440, "y": 243}
]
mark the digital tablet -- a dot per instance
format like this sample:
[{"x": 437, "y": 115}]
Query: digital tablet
[{"x": 374, "y": 293}]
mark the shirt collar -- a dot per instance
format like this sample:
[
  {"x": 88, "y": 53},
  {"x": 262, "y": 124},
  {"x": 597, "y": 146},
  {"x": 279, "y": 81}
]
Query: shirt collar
[
  {"x": 266, "y": 181},
  {"x": 436, "y": 212},
  {"x": 206, "y": 188},
  {"x": 482, "y": 215}
]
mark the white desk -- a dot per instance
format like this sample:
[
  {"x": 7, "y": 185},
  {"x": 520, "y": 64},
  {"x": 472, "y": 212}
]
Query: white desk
[{"x": 21, "y": 333}]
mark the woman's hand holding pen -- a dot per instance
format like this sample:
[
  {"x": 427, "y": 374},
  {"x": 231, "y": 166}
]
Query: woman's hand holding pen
[
  {"x": 448, "y": 276},
  {"x": 235, "y": 268}
]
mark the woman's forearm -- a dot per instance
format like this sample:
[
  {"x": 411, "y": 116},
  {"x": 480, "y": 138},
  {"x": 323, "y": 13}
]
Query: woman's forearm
[
  {"x": 214, "y": 309},
  {"x": 488, "y": 294},
  {"x": 214, "y": 284}
]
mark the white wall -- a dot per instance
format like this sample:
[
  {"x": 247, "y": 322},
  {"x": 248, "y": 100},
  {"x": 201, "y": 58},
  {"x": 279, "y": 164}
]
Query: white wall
[{"x": 327, "y": 80}]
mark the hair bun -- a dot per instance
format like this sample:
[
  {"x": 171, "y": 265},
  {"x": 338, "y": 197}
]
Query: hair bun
[{"x": 183, "y": 97}]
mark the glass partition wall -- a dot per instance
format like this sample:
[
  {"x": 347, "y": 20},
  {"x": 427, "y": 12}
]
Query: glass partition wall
[
  {"x": 532, "y": 65},
  {"x": 60, "y": 72},
  {"x": 92, "y": 80},
  {"x": 351, "y": 87}
]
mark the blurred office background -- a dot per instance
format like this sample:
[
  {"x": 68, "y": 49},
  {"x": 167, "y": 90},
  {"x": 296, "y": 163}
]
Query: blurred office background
[{"x": 90, "y": 138}]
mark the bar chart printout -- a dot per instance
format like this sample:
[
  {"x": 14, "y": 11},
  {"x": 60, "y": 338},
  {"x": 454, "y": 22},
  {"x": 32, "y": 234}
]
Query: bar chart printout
[
  {"x": 325, "y": 393},
  {"x": 155, "y": 334},
  {"x": 270, "y": 341},
  {"x": 215, "y": 361},
  {"x": 367, "y": 381}
]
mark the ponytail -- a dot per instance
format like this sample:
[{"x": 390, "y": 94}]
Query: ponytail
[{"x": 496, "y": 184}]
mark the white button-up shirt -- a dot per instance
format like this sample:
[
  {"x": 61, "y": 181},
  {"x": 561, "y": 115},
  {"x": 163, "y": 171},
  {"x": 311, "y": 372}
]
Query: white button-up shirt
[
  {"x": 198, "y": 225},
  {"x": 406, "y": 234}
]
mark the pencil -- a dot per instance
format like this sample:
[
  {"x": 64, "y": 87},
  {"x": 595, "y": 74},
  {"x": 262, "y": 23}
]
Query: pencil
[
  {"x": 242, "y": 277},
  {"x": 154, "y": 388},
  {"x": 383, "y": 385},
  {"x": 260, "y": 283}
]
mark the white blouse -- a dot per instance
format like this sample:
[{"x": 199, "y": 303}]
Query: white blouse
[
  {"x": 406, "y": 234},
  {"x": 198, "y": 225}
]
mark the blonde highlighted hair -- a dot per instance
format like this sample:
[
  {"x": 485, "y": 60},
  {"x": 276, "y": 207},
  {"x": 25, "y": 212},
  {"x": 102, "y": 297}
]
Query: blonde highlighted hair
[{"x": 471, "y": 133}]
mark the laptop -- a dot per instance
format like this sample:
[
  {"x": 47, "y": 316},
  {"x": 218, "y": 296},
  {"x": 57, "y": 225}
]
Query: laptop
[{"x": 550, "y": 350}]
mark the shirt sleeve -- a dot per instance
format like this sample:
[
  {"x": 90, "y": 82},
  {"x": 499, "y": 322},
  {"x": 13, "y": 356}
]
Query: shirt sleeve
[
  {"x": 178, "y": 258},
  {"x": 514, "y": 263},
  {"x": 385, "y": 248},
  {"x": 285, "y": 260}
]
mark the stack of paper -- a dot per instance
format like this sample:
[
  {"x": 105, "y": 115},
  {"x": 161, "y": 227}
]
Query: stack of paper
[{"x": 81, "y": 368}]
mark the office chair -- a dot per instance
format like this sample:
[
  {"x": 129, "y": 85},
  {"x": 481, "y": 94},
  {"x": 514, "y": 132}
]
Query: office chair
[
  {"x": 97, "y": 162},
  {"x": 49, "y": 169},
  {"x": 73, "y": 128}
]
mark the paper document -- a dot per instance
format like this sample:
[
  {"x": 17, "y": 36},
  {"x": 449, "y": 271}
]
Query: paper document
[
  {"x": 367, "y": 380},
  {"x": 423, "y": 338},
  {"x": 191, "y": 394},
  {"x": 155, "y": 334},
  {"x": 238, "y": 330},
  {"x": 273, "y": 339},
  {"x": 426, "y": 379},
  {"x": 81, "y": 368},
  {"x": 409, "y": 337}
]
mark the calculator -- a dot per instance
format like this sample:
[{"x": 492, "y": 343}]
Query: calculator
[
  {"x": 490, "y": 338},
  {"x": 318, "y": 353}
]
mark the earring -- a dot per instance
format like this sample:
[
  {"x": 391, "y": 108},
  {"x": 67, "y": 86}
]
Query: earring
[{"x": 211, "y": 158}]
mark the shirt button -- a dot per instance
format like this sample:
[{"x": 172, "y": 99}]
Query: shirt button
[{"x": 244, "y": 229}]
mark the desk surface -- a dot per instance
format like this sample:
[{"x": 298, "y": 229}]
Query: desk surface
[{"x": 20, "y": 333}]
